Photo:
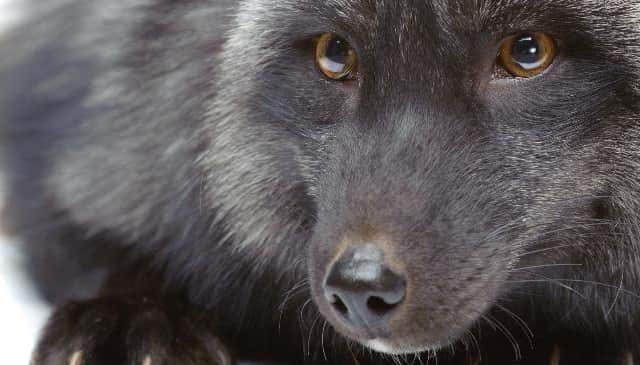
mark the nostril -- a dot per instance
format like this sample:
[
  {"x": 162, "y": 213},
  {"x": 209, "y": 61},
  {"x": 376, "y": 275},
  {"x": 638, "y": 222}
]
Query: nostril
[
  {"x": 361, "y": 290},
  {"x": 379, "y": 306},
  {"x": 339, "y": 305}
]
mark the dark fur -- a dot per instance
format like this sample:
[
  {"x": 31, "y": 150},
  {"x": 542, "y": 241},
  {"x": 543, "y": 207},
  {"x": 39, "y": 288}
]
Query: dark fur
[{"x": 196, "y": 140}]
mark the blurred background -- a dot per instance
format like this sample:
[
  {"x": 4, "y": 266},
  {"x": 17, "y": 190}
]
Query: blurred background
[{"x": 21, "y": 313}]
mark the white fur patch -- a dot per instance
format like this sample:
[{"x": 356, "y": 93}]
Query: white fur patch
[
  {"x": 76, "y": 358},
  {"x": 380, "y": 346},
  {"x": 387, "y": 347},
  {"x": 628, "y": 360}
]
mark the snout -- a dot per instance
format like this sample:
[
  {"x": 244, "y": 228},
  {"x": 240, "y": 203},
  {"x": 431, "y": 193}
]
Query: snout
[
  {"x": 390, "y": 296},
  {"x": 399, "y": 259},
  {"x": 362, "y": 290}
]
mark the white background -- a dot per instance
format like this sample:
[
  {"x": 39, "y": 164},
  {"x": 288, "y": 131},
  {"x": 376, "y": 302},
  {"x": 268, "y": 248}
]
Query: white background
[{"x": 21, "y": 314}]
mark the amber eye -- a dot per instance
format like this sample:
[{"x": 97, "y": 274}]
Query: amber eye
[
  {"x": 527, "y": 54},
  {"x": 336, "y": 58}
]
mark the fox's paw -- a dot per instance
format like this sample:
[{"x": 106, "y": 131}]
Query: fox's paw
[
  {"x": 581, "y": 356},
  {"x": 543, "y": 353},
  {"x": 565, "y": 355},
  {"x": 125, "y": 331}
]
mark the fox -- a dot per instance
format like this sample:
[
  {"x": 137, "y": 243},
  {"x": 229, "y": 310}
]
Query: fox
[{"x": 211, "y": 182}]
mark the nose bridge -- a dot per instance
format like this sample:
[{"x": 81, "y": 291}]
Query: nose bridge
[
  {"x": 406, "y": 114},
  {"x": 401, "y": 146},
  {"x": 394, "y": 171},
  {"x": 377, "y": 185},
  {"x": 413, "y": 79}
]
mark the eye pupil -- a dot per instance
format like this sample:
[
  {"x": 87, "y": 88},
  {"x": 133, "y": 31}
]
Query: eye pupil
[
  {"x": 526, "y": 50},
  {"x": 335, "y": 57},
  {"x": 338, "y": 51}
]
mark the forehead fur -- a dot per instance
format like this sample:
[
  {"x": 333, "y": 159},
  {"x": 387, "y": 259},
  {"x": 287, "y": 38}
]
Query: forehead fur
[
  {"x": 473, "y": 12},
  {"x": 613, "y": 26}
]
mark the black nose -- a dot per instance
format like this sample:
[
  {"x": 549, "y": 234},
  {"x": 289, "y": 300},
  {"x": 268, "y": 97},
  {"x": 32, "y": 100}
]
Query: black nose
[{"x": 362, "y": 289}]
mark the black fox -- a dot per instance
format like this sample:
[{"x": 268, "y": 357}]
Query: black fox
[{"x": 300, "y": 181}]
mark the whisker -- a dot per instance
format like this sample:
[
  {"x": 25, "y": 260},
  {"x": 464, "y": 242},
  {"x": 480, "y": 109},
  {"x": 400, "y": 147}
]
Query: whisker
[
  {"x": 521, "y": 322},
  {"x": 289, "y": 293},
  {"x": 543, "y": 267},
  {"x": 324, "y": 353},
  {"x": 505, "y": 331},
  {"x": 313, "y": 324},
  {"x": 544, "y": 280},
  {"x": 476, "y": 343},
  {"x": 615, "y": 299}
]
